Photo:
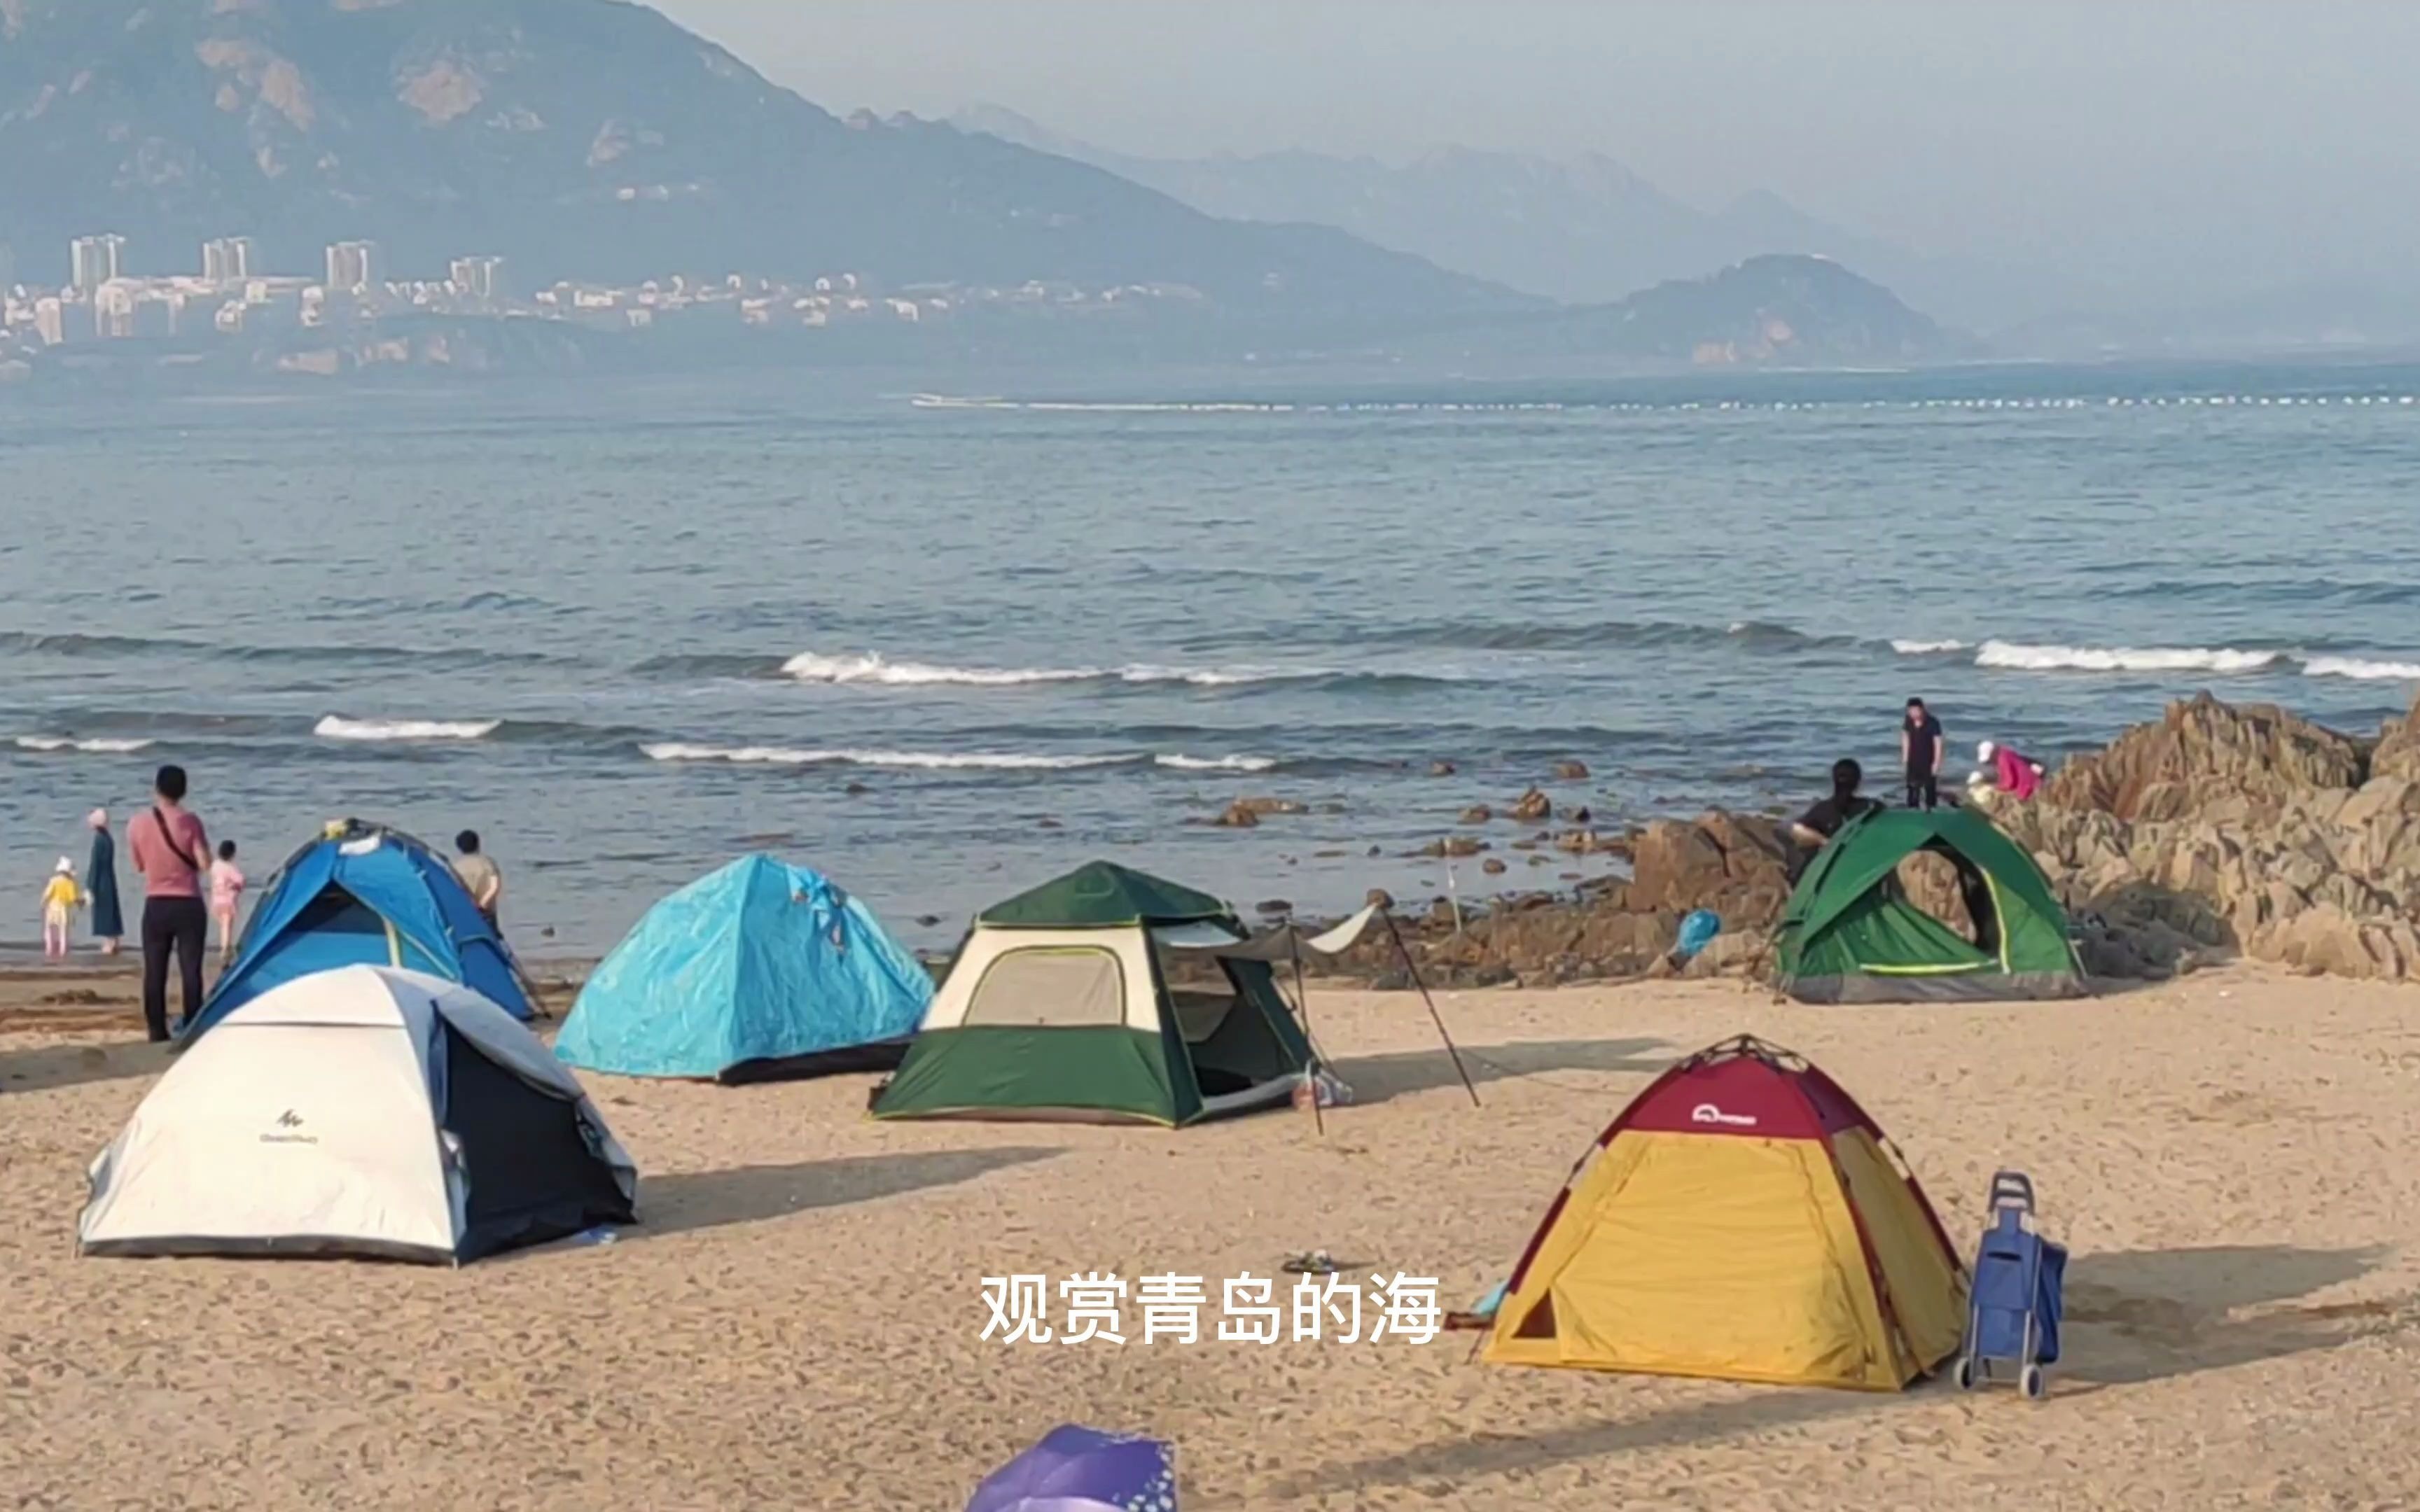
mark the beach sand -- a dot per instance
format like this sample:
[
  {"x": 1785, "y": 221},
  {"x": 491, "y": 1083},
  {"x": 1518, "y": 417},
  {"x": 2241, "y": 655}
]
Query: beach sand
[{"x": 2234, "y": 1158}]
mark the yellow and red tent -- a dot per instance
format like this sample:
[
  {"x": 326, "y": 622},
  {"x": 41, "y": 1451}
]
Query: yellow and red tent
[{"x": 1741, "y": 1219}]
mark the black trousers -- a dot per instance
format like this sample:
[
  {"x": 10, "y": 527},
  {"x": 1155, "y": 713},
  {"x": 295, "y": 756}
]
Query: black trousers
[
  {"x": 178, "y": 924},
  {"x": 1923, "y": 791}
]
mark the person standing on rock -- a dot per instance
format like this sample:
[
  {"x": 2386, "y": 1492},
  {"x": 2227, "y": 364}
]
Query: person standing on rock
[
  {"x": 169, "y": 847},
  {"x": 1920, "y": 751}
]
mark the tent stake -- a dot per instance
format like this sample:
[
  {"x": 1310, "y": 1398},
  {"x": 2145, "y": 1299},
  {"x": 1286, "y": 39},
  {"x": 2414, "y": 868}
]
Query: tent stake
[
  {"x": 1435, "y": 1017},
  {"x": 1302, "y": 1006}
]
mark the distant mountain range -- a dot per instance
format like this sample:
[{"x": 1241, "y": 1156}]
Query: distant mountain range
[
  {"x": 580, "y": 139},
  {"x": 1584, "y": 230},
  {"x": 1783, "y": 310},
  {"x": 593, "y": 139}
]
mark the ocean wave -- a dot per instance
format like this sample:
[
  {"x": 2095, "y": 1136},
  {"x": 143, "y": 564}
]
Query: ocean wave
[
  {"x": 2012, "y": 656},
  {"x": 1926, "y": 648},
  {"x": 682, "y": 750},
  {"x": 90, "y": 746},
  {"x": 338, "y": 727},
  {"x": 1598, "y": 635},
  {"x": 872, "y": 668},
  {"x": 2361, "y": 669},
  {"x": 1217, "y": 763},
  {"x": 76, "y": 645},
  {"x": 913, "y": 760}
]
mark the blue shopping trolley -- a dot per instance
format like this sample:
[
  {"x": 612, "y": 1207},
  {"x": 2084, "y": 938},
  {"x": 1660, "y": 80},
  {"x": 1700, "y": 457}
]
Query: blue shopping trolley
[{"x": 2013, "y": 1312}]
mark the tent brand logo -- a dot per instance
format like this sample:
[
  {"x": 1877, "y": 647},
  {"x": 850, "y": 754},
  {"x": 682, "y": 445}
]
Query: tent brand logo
[
  {"x": 1708, "y": 1113},
  {"x": 289, "y": 1120}
]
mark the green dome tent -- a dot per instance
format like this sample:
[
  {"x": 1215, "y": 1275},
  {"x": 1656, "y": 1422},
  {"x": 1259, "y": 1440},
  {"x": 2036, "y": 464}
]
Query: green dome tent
[
  {"x": 1061, "y": 1006},
  {"x": 1849, "y": 933}
]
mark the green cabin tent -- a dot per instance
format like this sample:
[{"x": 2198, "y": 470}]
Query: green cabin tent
[
  {"x": 1061, "y": 1006},
  {"x": 1850, "y": 934}
]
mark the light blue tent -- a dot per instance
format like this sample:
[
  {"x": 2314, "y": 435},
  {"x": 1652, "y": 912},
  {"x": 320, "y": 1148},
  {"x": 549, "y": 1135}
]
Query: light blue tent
[
  {"x": 365, "y": 895},
  {"x": 759, "y": 970}
]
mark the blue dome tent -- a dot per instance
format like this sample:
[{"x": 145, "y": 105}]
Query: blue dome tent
[
  {"x": 759, "y": 970},
  {"x": 365, "y": 895}
]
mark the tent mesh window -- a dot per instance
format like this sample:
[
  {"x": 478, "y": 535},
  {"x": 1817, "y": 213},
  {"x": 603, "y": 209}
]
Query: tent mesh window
[
  {"x": 337, "y": 912},
  {"x": 1052, "y": 987}
]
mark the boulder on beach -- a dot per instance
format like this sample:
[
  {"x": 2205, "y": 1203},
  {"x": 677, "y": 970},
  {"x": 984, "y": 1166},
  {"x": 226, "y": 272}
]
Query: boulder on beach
[
  {"x": 1441, "y": 768},
  {"x": 1493, "y": 866},
  {"x": 1478, "y": 813},
  {"x": 1531, "y": 806},
  {"x": 1571, "y": 771}
]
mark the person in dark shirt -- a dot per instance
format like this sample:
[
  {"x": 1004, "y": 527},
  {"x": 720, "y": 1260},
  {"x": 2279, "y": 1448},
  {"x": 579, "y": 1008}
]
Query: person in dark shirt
[
  {"x": 1920, "y": 749},
  {"x": 1826, "y": 817}
]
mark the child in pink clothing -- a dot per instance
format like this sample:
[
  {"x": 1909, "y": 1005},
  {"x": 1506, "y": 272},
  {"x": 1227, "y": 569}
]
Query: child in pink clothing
[{"x": 226, "y": 891}]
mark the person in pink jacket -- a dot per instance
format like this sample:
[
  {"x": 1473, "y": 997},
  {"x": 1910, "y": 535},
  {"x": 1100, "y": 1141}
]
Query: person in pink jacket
[{"x": 2019, "y": 777}]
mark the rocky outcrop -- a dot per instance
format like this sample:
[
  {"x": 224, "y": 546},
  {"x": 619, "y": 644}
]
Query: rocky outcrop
[
  {"x": 2204, "y": 751},
  {"x": 1613, "y": 929},
  {"x": 2220, "y": 831},
  {"x": 2212, "y": 833},
  {"x": 2398, "y": 748}
]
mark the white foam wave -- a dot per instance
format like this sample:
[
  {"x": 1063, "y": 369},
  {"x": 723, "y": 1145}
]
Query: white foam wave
[
  {"x": 2006, "y": 653},
  {"x": 872, "y": 668},
  {"x": 2364, "y": 669},
  {"x": 336, "y": 727},
  {"x": 811, "y": 667},
  {"x": 1216, "y": 763},
  {"x": 1926, "y": 648},
  {"x": 89, "y": 747},
  {"x": 915, "y": 760}
]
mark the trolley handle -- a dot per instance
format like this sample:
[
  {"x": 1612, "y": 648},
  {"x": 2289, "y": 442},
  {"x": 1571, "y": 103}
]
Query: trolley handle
[{"x": 2013, "y": 1189}]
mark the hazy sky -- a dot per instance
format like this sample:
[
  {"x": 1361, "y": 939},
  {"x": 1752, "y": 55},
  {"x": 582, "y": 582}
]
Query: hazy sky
[{"x": 2282, "y": 135}]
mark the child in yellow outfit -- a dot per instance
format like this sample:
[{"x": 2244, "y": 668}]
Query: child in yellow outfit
[{"x": 61, "y": 899}]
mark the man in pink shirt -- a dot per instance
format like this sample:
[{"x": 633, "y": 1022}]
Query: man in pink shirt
[{"x": 171, "y": 851}]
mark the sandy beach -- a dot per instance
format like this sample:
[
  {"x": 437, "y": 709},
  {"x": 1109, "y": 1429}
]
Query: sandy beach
[{"x": 796, "y": 1321}]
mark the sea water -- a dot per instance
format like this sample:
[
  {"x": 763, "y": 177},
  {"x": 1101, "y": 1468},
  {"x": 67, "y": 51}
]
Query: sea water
[{"x": 944, "y": 646}]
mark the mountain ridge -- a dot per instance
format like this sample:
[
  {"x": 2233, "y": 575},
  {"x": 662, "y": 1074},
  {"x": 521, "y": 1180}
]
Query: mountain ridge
[
  {"x": 580, "y": 139},
  {"x": 1583, "y": 228}
]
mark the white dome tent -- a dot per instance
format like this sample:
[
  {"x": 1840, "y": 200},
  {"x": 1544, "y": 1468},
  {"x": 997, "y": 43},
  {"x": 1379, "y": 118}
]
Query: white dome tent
[{"x": 365, "y": 1110}]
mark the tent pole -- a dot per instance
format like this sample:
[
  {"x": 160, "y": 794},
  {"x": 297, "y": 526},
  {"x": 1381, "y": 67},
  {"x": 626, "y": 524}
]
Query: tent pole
[
  {"x": 1302, "y": 1006},
  {"x": 1438, "y": 1019}
]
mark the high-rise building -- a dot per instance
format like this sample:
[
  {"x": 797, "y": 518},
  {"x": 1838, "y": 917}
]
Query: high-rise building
[
  {"x": 352, "y": 267},
  {"x": 227, "y": 260},
  {"x": 113, "y": 310},
  {"x": 477, "y": 278},
  {"x": 94, "y": 260}
]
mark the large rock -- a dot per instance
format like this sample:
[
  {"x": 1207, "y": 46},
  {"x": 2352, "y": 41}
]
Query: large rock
[
  {"x": 1732, "y": 863},
  {"x": 2222, "y": 830},
  {"x": 2399, "y": 747},
  {"x": 2203, "y": 752}
]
